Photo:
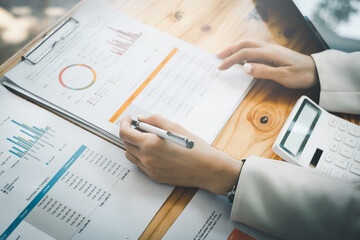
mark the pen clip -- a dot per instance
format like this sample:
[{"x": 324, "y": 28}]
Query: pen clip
[{"x": 188, "y": 142}]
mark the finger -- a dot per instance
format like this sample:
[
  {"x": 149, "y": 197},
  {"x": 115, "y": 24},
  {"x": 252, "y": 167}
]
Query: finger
[
  {"x": 249, "y": 55},
  {"x": 145, "y": 171},
  {"x": 134, "y": 150},
  {"x": 238, "y": 46},
  {"x": 133, "y": 159},
  {"x": 128, "y": 133},
  {"x": 264, "y": 71},
  {"x": 137, "y": 162}
]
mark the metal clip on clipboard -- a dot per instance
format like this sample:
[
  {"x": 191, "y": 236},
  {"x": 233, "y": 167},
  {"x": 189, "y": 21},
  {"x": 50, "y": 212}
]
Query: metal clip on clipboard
[{"x": 41, "y": 49}]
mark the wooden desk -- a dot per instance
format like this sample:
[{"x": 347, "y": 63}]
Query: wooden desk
[{"x": 213, "y": 25}]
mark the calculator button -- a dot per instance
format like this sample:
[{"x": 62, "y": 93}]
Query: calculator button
[
  {"x": 341, "y": 162},
  {"x": 346, "y": 152},
  {"x": 343, "y": 126},
  {"x": 325, "y": 168},
  {"x": 338, "y": 136},
  {"x": 357, "y": 157},
  {"x": 349, "y": 175},
  {"x": 355, "y": 168},
  {"x": 329, "y": 157},
  {"x": 350, "y": 141},
  {"x": 355, "y": 131},
  {"x": 334, "y": 146},
  {"x": 337, "y": 173},
  {"x": 333, "y": 122}
]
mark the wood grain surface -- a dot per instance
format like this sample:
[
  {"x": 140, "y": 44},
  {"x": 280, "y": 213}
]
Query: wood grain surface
[{"x": 212, "y": 25}]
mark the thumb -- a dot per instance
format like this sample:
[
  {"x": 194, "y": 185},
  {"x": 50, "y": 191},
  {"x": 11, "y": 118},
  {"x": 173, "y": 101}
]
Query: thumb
[{"x": 263, "y": 71}]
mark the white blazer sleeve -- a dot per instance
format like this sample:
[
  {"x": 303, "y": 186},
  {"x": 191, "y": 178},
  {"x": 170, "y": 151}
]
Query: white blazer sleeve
[
  {"x": 292, "y": 202},
  {"x": 339, "y": 76}
]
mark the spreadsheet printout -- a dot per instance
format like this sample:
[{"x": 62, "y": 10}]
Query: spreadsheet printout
[{"x": 58, "y": 181}]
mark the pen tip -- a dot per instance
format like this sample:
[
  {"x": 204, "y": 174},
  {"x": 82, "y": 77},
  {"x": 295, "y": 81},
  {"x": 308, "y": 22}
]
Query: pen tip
[
  {"x": 190, "y": 144},
  {"x": 134, "y": 122}
]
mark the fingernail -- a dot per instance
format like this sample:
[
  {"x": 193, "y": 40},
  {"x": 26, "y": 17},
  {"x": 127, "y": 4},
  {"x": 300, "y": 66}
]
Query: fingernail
[
  {"x": 247, "y": 68},
  {"x": 140, "y": 116}
]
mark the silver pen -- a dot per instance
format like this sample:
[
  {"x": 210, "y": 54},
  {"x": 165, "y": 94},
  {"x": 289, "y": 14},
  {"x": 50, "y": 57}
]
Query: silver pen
[{"x": 173, "y": 137}]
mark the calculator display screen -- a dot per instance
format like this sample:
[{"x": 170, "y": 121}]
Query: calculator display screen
[{"x": 300, "y": 129}]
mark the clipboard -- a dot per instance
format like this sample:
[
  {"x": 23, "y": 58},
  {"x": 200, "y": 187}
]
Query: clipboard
[{"x": 49, "y": 41}]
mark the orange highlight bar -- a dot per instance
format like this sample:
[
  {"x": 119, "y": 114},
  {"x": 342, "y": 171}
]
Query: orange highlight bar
[{"x": 142, "y": 86}]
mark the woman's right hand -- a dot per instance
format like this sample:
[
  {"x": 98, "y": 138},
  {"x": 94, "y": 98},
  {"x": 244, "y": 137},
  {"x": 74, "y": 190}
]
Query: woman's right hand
[
  {"x": 165, "y": 162},
  {"x": 271, "y": 61}
]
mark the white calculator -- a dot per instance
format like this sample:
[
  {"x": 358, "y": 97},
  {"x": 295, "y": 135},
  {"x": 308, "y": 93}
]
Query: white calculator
[{"x": 312, "y": 137}]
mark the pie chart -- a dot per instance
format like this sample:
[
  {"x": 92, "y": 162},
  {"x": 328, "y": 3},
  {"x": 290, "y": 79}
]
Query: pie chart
[{"x": 77, "y": 77}]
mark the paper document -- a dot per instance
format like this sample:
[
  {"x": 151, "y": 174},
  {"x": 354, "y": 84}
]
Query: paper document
[
  {"x": 207, "y": 216},
  {"x": 57, "y": 181},
  {"x": 112, "y": 65}
]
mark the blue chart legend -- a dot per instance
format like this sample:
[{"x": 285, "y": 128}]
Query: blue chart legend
[{"x": 24, "y": 142}]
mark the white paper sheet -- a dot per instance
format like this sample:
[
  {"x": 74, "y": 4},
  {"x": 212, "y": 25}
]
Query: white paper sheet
[
  {"x": 207, "y": 216},
  {"x": 58, "y": 181},
  {"x": 112, "y": 64}
]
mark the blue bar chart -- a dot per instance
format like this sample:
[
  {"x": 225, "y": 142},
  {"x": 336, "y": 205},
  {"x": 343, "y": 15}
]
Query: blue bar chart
[{"x": 27, "y": 138}]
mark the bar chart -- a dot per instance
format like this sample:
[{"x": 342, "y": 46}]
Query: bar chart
[
  {"x": 122, "y": 41},
  {"x": 28, "y": 137}
]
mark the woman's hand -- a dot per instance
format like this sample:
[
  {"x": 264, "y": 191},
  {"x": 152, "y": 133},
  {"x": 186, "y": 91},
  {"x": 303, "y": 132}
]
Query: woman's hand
[
  {"x": 165, "y": 162},
  {"x": 271, "y": 61}
]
